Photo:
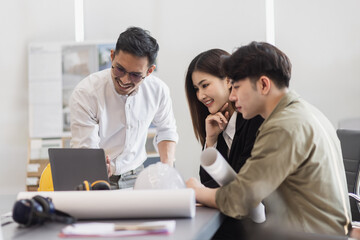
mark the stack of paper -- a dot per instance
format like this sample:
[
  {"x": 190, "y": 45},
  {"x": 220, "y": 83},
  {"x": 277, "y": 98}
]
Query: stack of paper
[{"x": 96, "y": 229}]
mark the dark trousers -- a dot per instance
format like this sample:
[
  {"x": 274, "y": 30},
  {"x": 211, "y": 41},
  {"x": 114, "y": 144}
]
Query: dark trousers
[{"x": 233, "y": 228}]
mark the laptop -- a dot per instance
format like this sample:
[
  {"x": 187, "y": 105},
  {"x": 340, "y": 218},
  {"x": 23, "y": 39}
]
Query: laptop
[{"x": 71, "y": 166}]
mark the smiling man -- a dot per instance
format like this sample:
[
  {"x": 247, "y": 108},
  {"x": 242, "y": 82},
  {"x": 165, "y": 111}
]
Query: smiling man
[
  {"x": 296, "y": 166},
  {"x": 113, "y": 109}
]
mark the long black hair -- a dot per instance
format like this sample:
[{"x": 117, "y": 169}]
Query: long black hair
[{"x": 207, "y": 62}]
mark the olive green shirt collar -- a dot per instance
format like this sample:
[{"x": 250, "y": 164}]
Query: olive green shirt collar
[{"x": 285, "y": 101}]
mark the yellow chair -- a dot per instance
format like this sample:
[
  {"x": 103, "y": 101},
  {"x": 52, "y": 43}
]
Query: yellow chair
[{"x": 46, "y": 182}]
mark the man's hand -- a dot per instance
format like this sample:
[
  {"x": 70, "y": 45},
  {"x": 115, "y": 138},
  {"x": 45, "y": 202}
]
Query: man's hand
[
  {"x": 108, "y": 166},
  {"x": 215, "y": 124},
  {"x": 193, "y": 183},
  {"x": 203, "y": 194},
  {"x": 355, "y": 233}
]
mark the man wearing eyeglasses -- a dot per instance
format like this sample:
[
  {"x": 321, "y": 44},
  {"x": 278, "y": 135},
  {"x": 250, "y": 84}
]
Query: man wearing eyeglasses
[{"x": 113, "y": 109}]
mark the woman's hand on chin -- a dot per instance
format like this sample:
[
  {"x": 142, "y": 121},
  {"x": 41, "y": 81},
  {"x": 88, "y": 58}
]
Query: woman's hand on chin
[{"x": 215, "y": 124}]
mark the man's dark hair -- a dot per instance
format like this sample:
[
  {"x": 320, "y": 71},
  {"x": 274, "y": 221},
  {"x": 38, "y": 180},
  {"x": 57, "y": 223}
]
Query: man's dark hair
[
  {"x": 138, "y": 42},
  {"x": 258, "y": 59}
]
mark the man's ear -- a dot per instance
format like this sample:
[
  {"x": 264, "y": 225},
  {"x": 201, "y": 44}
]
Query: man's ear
[
  {"x": 150, "y": 70},
  {"x": 112, "y": 54},
  {"x": 228, "y": 82},
  {"x": 264, "y": 85}
]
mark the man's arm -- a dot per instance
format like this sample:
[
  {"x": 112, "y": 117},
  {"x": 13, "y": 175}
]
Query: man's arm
[
  {"x": 262, "y": 173},
  {"x": 204, "y": 195},
  {"x": 164, "y": 121},
  {"x": 84, "y": 126},
  {"x": 167, "y": 152}
]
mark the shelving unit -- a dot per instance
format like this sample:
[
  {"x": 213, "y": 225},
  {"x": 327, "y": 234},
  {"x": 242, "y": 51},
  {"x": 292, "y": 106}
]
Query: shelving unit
[{"x": 38, "y": 158}]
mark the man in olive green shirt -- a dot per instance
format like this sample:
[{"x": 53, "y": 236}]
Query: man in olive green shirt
[{"x": 296, "y": 166}]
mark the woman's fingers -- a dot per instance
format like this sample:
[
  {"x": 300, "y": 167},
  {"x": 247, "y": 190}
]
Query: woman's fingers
[
  {"x": 219, "y": 119},
  {"x": 222, "y": 118},
  {"x": 216, "y": 118},
  {"x": 227, "y": 115},
  {"x": 224, "y": 107},
  {"x": 224, "y": 111}
]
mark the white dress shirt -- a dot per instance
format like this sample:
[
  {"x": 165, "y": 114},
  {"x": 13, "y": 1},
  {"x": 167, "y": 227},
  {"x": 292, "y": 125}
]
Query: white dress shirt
[
  {"x": 229, "y": 131},
  {"x": 101, "y": 118}
]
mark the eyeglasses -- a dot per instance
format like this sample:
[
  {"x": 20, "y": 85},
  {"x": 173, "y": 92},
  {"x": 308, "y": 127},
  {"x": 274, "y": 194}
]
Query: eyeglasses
[{"x": 121, "y": 72}]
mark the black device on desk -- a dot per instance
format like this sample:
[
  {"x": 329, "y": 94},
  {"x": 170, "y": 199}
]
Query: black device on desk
[
  {"x": 71, "y": 166},
  {"x": 37, "y": 210}
]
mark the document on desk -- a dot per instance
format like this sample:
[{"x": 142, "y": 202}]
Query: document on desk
[
  {"x": 96, "y": 229},
  {"x": 219, "y": 169},
  {"x": 155, "y": 203}
]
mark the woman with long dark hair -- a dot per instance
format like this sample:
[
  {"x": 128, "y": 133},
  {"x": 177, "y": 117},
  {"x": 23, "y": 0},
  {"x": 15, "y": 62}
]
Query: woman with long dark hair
[{"x": 216, "y": 123}]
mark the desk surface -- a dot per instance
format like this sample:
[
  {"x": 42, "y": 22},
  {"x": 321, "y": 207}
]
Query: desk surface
[{"x": 202, "y": 226}]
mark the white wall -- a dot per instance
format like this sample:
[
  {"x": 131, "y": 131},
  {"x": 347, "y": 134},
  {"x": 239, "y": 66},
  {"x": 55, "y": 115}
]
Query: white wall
[
  {"x": 320, "y": 37},
  {"x": 13, "y": 97},
  {"x": 22, "y": 22}
]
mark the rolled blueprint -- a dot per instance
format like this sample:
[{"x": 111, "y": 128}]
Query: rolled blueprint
[
  {"x": 122, "y": 203},
  {"x": 220, "y": 170},
  {"x": 217, "y": 167}
]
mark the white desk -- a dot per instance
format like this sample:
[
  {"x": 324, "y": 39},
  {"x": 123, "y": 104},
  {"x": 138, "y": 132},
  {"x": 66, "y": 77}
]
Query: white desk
[{"x": 201, "y": 227}]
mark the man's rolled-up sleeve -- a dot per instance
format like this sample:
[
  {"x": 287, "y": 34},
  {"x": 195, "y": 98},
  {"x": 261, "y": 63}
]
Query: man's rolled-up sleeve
[{"x": 164, "y": 119}]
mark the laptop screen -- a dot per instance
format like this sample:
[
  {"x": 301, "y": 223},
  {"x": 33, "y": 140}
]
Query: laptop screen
[{"x": 71, "y": 166}]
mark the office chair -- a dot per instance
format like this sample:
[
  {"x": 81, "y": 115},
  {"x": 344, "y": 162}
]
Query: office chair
[
  {"x": 349, "y": 123},
  {"x": 350, "y": 145}
]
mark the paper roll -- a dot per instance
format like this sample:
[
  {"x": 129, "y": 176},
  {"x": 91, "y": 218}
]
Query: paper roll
[
  {"x": 122, "y": 203},
  {"x": 216, "y": 166},
  {"x": 220, "y": 170}
]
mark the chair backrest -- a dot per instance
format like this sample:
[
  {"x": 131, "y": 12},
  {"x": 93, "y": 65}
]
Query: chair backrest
[
  {"x": 350, "y": 123},
  {"x": 350, "y": 145}
]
